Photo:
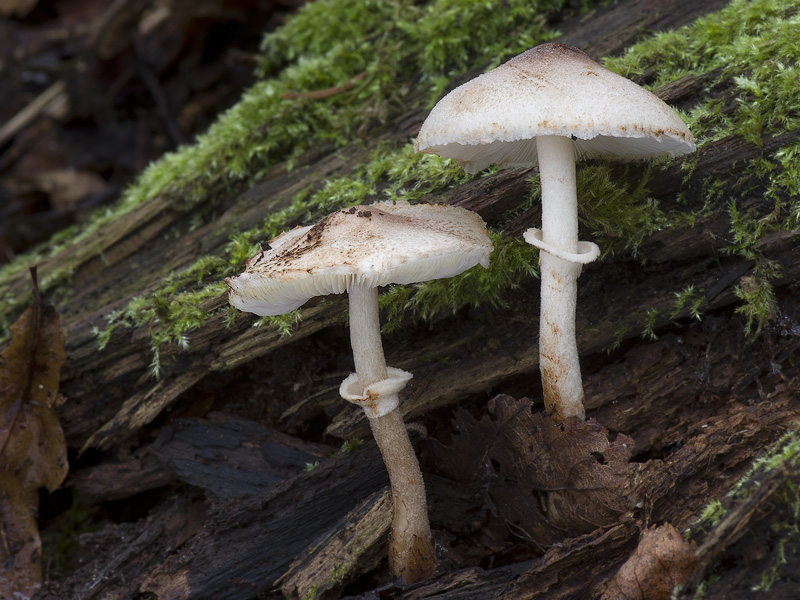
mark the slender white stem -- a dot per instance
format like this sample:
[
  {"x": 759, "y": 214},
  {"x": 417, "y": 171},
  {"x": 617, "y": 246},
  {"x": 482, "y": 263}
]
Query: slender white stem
[
  {"x": 365, "y": 335},
  {"x": 558, "y": 352},
  {"x": 411, "y": 551}
]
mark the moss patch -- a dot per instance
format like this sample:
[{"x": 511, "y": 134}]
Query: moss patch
[
  {"x": 176, "y": 308},
  {"x": 325, "y": 44},
  {"x": 746, "y": 52},
  {"x": 772, "y": 547},
  {"x": 749, "y": 56},
  {"x": 510, "y": 261}
]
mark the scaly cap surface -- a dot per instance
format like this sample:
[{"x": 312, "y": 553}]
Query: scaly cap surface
[
  {"x": 551, "y": 89},
  {"x": 371, "y": 245}
]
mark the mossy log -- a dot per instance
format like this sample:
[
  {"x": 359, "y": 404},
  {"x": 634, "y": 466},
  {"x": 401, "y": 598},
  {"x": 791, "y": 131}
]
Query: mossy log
[
  {"x": 662, "y": 338},
  {"x": 131, "y": 256}
]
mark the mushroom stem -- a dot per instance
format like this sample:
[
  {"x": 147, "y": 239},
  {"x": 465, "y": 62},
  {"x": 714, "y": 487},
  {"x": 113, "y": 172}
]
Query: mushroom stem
[
  {"x": 411, "y": 551},
  {"x": 558, "y": 351},
  {"x": 365, "y": 334}
]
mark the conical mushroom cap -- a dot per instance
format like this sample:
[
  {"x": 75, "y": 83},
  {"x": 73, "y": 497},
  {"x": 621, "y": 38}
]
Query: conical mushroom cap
[
  {"x": 551, "y": 89},
  {"x": 371, "y": 245}
]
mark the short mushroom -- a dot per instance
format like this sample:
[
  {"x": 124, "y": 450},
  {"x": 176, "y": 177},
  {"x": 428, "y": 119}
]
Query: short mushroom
[
  {"x": 553, "y": 105},
  {"x": 357, "y": 250}
]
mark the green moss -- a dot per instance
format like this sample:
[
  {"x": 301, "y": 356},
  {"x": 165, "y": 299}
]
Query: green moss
[
  {"x": 397, "y": 40},
  {"x": 312, "y": 593},
  {"x": 510, "y": 261},
  {"x": 746, "y": 52},
  {"x": 771, "y": 575},
  {"x": 326, "y": 44},
  {"x": 616, "y": 209},
  {"x": 351, "y": 445},
  {"x": 786, "y": 452},
  {"x": 784, "y": 458},
  {"x": 618, "y": 215},
  {"x": 170, "y": 318},
  {"x": 687, "y": 300},
  {"x": 749, "y": 56},
  {"x": 649, "y": 330},
  {"x": 701, "y": 593},
  {"x": 787, "y": 527},
  {"x": 687, "y": 304},
  {"x": 175, "y": 308},
  {"x": 284, "y": 324},
  {"x": 760, "y": 305},
  {"x": 616, "y": 344},
  {"x": 710, "y": 517}
]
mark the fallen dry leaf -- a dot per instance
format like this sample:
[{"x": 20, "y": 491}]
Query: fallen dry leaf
[
  {"x": 662, "y": 560},
  {"x": 67, "y": 187},
  {"x": 33, "y": 453},
  {"x": 547, "y": 480}
]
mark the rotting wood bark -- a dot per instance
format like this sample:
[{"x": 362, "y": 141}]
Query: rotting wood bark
[
  {"x": 501, "y": 344},
  {"x": 224, "y": 547},
  {"x": 745, "y": 533},
  {"x": 225, "y": 456},
  {"x": 580, "y": 566},
  {"x": 278, "y": 526},
  {"x": 354, "y": 546},
  {"x": 246, "y": 547}
]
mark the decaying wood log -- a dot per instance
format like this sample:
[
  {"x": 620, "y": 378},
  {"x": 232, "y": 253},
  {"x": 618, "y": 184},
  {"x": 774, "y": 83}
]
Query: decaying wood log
[
  {"x": 131, "y": 256},
  {"x": 120, "y": 553},
  {"x": 228, "y": 511},
  {"x": 227, "y": 457},
  {"x": 579, "y": 566},
  {"x": 326, "y": 505},
  {"x": 246, "y": 547},
  {"x": 288, "y": 530},
  {"x": 114, "y": 480},
  {"x": 234, "y": 458},
  {"x": 352, "y": 547}
]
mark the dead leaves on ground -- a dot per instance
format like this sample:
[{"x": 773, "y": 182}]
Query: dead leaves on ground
[
  {"x": 567, "y": 490},
  {"x": 547, "y": 481},
  {"x": 33, "y": 453}
]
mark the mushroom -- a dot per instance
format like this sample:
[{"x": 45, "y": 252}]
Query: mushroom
[
  {"x": 357, "y": 250},
  {"x": 553, "y": 104}
]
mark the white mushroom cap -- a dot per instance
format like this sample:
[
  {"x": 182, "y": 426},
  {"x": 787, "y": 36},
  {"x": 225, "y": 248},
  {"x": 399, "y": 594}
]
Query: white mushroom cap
[
  {"x": 370, "y": 246},
  {"x": 551, "y": 89}
]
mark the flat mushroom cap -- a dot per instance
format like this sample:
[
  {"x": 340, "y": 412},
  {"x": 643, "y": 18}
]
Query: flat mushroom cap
[
  {"x": 371, "y": 245},
  {"x": 551, "y": 89}
]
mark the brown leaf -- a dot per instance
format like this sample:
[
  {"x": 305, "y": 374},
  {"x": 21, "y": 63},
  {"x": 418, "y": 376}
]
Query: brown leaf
[
  {"x": 583, "y": 474},
  {"x": 67, "y": 187},
  {"x": 549, "y": 481},
  {"x": 33, "y": 453},
  {"x": 662, "y": 560}
]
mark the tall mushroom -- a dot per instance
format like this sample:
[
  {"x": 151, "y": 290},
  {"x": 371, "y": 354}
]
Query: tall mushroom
[
  {"x": 357, "y": 250},
  {"x": 553, "y": 105}
]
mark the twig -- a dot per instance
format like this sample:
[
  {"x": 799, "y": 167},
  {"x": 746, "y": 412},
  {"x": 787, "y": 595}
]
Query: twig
[
  {"x": 52, "y": 101},
  {"x": 327, "y": 92},
  {"x": 157, "y": 92}
]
